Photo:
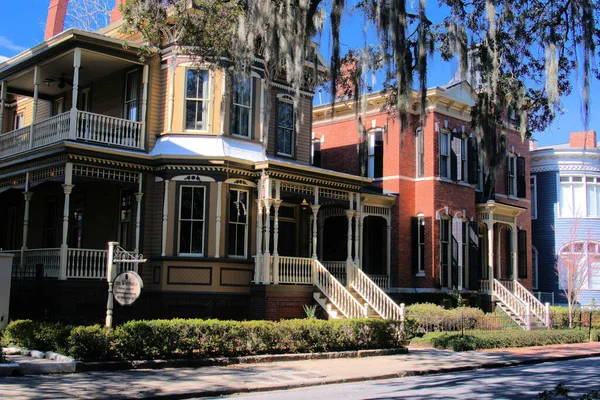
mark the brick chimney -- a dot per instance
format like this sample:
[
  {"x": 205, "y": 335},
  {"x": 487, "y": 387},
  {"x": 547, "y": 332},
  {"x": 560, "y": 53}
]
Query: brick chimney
[
  {"x": 586, "y": 139},
  {"x": 115, "y": 13},
  {"x": 56, "y": 18}
]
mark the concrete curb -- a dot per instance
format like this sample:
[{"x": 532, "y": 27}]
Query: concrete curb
[
  {"x": 9, "y": 369},
  {"x": 223, "y": 361}
]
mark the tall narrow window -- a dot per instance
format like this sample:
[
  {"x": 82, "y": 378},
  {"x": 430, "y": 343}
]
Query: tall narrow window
[
  {"x": 125, "y": 212},
  {"x": 132, "y": 79},
  {"x": 445, "y": 252},
  {"x": 533, "y": 190},
  {"x": 285, "y": 127},
  {"x": 18, "y": 121},
  {"x": 522, "y": 252},
  {"x": 83, "y": 100},
  {"x": 77, "y": 221},
  {"x": 58, "y": 106},
  {"x": 444, "y": 155},
  {"x": 592, "y": 188},
  {"x": 420, "y": 153},
  {"x": 316, "y": 152},
  {"x": 534, "y": 268},
  {"x": 191, "y": 220},
  {"x": 50, "y": 223},
  {"x": 421, "y": 245},
  {"x": 572, "y": 196},
  {"x": 241, "y": 109},
  {"x": 464, "y": 154},
  {"x": 196, "y": 100},
  {"x": 375, "y": 166},
  {"x": 238, "y": 223}
]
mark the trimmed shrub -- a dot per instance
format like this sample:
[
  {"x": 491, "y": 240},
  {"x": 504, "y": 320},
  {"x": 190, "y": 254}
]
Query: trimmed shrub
[
  {"x": 477, "y": 340},
  {"x": 432, "y": 317},
  {"x": 20, "y": 333},
  {"x": 33, "y": 335},
  {"x": 91, "y": 343},
  {"x": 560, "y": 318}
]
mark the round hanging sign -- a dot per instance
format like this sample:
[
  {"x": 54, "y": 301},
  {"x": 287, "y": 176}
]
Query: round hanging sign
[{"x": 127, "y": 287}]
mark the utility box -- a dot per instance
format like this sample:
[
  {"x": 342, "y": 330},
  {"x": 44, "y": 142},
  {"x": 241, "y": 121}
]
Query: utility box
[{"x": 6, "y": 261}]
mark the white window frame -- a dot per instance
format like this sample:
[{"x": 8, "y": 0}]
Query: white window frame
[
  {"x": 191, "y": 219},
  {"x": 313, "y": 145},
  {"x": 134, "y": 100},
  {"x": 244, "y": 224},
  {"x": 420, "y": 245},
  {"x": 285, "y": 99},
  {"x": 464, "y": 159},
  {"x": 58, "y": 106},
  {"x": 568, "y": 181},
  {"x": 586, "y": 260},
  {"x": 445, "y": 136},
  {"x": 420, "y": 143},
  {"x": 512, "y": 175},
  {"x": 204, "y": 100},
  {"x": 234, "y": 87},
  {"x": 371, "y": 152},
  {"x": 447, "y": 274},
  {"x": 533, "y": 195},
  {"x": 18, "y": 122}
]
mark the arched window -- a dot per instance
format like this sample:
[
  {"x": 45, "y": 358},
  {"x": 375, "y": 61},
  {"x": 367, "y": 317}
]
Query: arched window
[{"x": 579, "y": 265}]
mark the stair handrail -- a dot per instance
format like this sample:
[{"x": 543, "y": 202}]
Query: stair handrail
[
  {"x": 337, "y": 294},
  {"x": 377, "y": 299},
  {"x": 537, "y": 307},
  {"x": 512, "y": 302}
]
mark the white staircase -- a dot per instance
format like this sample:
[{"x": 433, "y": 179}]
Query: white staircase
[{"x": 521, "y": 305}]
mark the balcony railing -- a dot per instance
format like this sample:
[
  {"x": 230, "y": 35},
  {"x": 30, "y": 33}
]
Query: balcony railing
[{"x": 81, "y": 126}]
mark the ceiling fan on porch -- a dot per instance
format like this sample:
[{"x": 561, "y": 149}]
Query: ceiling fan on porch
[{"x": 62, "y": 81}]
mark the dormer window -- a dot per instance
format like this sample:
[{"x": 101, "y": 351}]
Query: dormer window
[
  {"x": 196, "y": 100},
  {"x": 285, "y": 127},
  {"x": 241, "y": 109}
]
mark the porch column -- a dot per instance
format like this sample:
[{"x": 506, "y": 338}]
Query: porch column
[
  {"x": 144, "y": 105},
  {"x": 76, "y": 66},
  {"x": 267, "y": 255},
  {"x": 27, "y": 195},
  {"x": 165, "y": 219},
  {"x": 218, "y": 226},
  {"x": 2, "y": 104},
  {"x": 514, "y": 250},
  {"x": 67, "y": 188},
  {"x": 138, "y": 215},
  {"x": 171, "y": 100},
  {"x": 276, "y": 204},
  {"x": 357, "y": 231},
  {"x": 259, "y": 234},
  {"x": 490, "y": 228},
  {"x": 315, "y": 211},
  {"x": 389, "y": 248},
  {"x": 349, "y": 215},
  {"x": 36, "y": 83}
]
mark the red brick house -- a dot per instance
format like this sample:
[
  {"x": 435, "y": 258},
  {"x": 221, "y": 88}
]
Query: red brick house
[{"x": 446, "y": 216}]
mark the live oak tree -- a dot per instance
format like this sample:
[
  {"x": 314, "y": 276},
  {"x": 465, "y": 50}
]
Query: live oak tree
[{"x": 518, "y": 55}]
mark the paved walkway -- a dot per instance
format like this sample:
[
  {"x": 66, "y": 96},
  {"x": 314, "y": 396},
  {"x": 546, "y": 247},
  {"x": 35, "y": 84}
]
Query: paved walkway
[{"x": 207, "y": 381}]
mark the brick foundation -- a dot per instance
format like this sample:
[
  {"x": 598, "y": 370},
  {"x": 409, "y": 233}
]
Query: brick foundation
[{"x": 275, "y": 302}]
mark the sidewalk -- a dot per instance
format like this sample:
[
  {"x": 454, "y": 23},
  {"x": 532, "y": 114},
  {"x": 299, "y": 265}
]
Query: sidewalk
[{"x": 213, "y": 381}]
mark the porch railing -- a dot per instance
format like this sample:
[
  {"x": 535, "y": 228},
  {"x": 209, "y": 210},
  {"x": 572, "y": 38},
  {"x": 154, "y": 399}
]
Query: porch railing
[
  {"x": 541, "y": 311},
  {"x": 295, "y": 270},
  {"x": 337, "y": 269},
  {"x": 337, "y": 294},
  {"x": 383, "y": 281},
  {"x": 82, "y": 126},
  {"x": 86, "y": 263},
  {"x": 374, "y": 295},
  {"x": 520, "y": 310},
  {"x": 26, "y": 267}
]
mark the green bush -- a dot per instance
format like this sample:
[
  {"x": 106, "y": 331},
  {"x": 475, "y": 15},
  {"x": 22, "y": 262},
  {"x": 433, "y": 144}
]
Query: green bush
[
  {"x": 91, "y": 343},
  {"x": 477, "y": 340},
  {"x": 432, "y": 317},
  {"x": 560, "y": 318},
  {"x": 33, "y": 335}
]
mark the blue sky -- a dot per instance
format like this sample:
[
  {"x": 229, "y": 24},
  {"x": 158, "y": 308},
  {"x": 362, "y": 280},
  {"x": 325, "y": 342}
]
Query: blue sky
[{"x": 22, "y": 26}]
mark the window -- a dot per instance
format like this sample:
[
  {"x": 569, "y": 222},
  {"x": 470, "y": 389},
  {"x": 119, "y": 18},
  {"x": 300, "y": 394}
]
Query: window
[
  {"x": 77, "y": 221},
  {"x": 375, "y": 155},
  {"x": 196, "y": 100},
  {"x": 18, "y": 122},
  {"x": 463, "y": 159},
  {"x": 131, "y": 95},
  {"x": 572, "y": 196},
  {"x": 83, "y": 100},
  {"x": 515, "y": 176},
  {"x": 534, "y": 268},
  {"x": 418, "y": 243},
  {"x": 458, "y": 158},
  {"x": 512, "y": 175},
  {"x": 445, "y": 155},
  {"x": 316, "y": 152},
  {"x": 238, "y": 223},
  {"x": 191, "y": 220},
  {"x": 125, "y": 211},
  {"x": 285, "y": 127},
  {"x": 592, "y": 189},
  {"x": 445, "y": 252},
  {"x": 533, "y": 190},
  {"x": 522, "y": 252},
  {"x": 58, "y": 106},
  {"x": 420, "y": 153},
  {"x": 579, "y": 265},
  {"x": 241, "y": 109}
]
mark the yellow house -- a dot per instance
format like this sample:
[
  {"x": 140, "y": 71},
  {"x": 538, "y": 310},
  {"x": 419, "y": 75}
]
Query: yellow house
[{"x": 168, "y": 158}]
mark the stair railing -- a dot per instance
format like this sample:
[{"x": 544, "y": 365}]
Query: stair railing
[
  {"x": 513, "y": 303},
  {"x": 337, "y": 294},
  {"x": 373, "y": 295},
  {"x": 538, "y": 309}
]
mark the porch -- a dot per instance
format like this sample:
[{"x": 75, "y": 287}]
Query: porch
[{"x": 73, "y": 93}]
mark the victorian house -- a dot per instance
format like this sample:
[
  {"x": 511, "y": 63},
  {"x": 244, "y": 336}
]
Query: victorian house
[{"x": 168, "y": 158}]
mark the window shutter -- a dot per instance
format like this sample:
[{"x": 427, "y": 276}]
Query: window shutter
[
  {"x": 454, "y": 157},
  {"x": 507, "y": 176},
  {"x": 474, "y": 256},
  {"x": 414, "y": 230},
  {"x": 521, "y": 184},
  {"x": 522, "y": 253},
  {"x": 456, "y": 253},
  {"x": 473, "y": 160},
  {"x": 439, "y": 150}
]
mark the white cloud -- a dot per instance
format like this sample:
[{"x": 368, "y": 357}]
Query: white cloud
[
  {"x": 2, "y": 59},
  {"x": 8, "y": 44}
]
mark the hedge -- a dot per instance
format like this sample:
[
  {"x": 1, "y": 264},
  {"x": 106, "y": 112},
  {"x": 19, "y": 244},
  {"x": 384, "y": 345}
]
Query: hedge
[
  {"x": 194, "y": 338},
  {"x": 433, "y": 318},
  {"x": 478, "y": 340},
  {"x": 560, "y": 318}
]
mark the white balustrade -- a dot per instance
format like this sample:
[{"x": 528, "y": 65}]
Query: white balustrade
[
  {"x": 295, "y": 270},
  {"x": 513, "y": 303},
  {"x": 538, "y": 309},
  {"x": 374, "y": 295},
  {"x": 51, "y": 130},
  {"x": 337, "y": 294},
  {"x": 14, "y": 142},
  {"x": 86, "y": 263},
  {"x": 383, "y": 281},
  {"x": 49, "y": 258},
  {"x": 108, "y": 130},
  {"x": 484, "y": 285},
  {"x": 337, "y": 269}
]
